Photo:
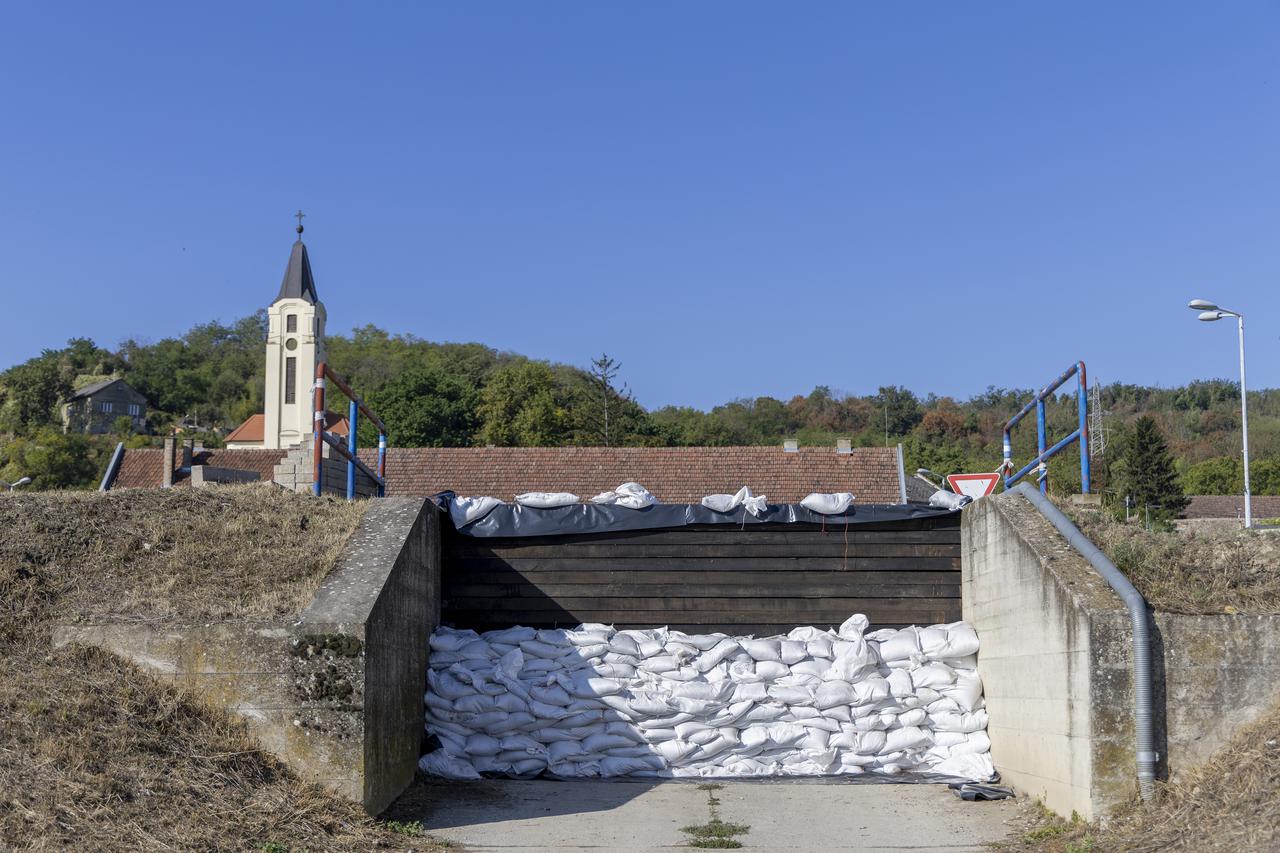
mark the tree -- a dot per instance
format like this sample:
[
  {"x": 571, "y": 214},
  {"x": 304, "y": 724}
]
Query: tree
[
  {"x": 519, "y": 407},
  {"x": 608, "y": 399},
  {"x": 427, "y": 407},
  {"x": 1148, "y": 475},
  {"x": 899, "y": 409},
  {"x": 52, "y": 460}
]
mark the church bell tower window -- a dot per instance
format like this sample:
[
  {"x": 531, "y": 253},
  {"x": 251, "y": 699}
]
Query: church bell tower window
[
  {"x": 291, "y": 322},
  {"x": 290, "y": 380}
]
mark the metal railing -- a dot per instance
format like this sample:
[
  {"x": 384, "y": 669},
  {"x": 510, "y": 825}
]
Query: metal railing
[
  {"x": 1044, "y": 453},
  {"x": 321, "y": 436}
]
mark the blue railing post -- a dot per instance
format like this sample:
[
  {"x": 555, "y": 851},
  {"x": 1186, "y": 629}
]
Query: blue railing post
[
  {"x": 1082, "y": 404},
  {"x": 353, "y": 412},
  {"x": 1041, "y": 444},
  {"x": 1044, "y": 452}
]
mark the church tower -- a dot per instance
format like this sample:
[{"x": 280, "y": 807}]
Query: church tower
[{"x": 295, "y": 345}]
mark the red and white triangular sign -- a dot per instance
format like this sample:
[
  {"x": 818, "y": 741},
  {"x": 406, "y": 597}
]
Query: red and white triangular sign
[{"x": 974, "y": 485}]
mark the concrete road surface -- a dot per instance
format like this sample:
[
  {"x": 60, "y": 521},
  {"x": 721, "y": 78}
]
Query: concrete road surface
[{"x": 631, "y": 816}]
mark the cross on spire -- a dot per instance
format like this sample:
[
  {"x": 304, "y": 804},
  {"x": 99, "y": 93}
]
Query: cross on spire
[{"x": 300, "y": 216}]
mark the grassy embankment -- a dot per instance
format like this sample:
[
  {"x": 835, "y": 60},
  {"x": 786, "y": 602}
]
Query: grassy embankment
[
  {"x": 95, "y": 754},
  {"x": 1232, "y": 802}
]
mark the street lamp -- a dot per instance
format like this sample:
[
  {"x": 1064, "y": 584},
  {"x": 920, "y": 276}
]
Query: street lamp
[
  {"x": 1210, "y": 312},
  {"x": 14, "y": 484}
]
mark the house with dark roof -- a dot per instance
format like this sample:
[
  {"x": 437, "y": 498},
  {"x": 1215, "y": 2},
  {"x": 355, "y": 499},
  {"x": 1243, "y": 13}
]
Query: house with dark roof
[{"x": 95, "y": 408}]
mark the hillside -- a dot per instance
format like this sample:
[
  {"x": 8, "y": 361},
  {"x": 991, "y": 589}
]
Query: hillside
[
  {"x": 96, "y": 754},
  {"x": 436, "y": 395}
]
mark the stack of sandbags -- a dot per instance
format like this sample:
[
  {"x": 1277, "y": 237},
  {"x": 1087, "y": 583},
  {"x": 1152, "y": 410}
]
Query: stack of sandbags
[{"x": 597, "y": 702}]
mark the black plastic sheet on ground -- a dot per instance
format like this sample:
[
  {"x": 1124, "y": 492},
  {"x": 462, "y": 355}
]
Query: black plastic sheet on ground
[{"x": 508, "y": 519}]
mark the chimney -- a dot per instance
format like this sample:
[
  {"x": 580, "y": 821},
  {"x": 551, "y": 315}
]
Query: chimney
[
  {"x": 844, "y": 446},
  {"x": 790, "y": 445},
  {"x": 166, "y": 480},
  {"x": 188, "y": 447}
]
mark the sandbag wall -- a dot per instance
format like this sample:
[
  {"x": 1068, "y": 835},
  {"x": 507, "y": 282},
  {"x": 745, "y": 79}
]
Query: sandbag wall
[
  {"x": 762, "y": 579},
  {"x": 597, "y": 702}
]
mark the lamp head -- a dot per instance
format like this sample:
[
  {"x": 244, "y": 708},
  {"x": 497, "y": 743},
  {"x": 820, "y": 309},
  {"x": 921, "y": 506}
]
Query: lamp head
[
  {"x": 1201, "y": 305},
  {"x": 1210, "y": 316}
]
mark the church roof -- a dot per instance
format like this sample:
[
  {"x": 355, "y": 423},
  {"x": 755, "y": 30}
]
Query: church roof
[{"x": 298, "y": 282}]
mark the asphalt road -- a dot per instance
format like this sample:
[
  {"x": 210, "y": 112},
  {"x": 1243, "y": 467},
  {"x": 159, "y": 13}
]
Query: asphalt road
[{"x": 633, "y": 816}]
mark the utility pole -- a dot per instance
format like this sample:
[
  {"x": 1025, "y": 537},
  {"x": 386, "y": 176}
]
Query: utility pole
[{"x": 1097, "y": 432}]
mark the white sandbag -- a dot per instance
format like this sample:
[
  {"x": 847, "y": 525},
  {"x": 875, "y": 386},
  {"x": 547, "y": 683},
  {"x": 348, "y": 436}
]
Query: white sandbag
[
  {"x": 509, "y": 636},
  {"x": 827, "y": 504},
  {"x": 965, "y": 691},
  {"x": 792, "y": 651},
  {"x": 853, "y": 628},
  {"x": 629, "y": 495},
  {"x": 911, "y": 737},
  {"x": 450, "y": 640},
  {"x": 761, "y": 650},
  {"x": 900, "y": 645},
  {"x": 441, "y": 763},
  {"x": 463, "y": 511},
  {"x": 546, "y": 500},
  {"x": 756, "y": 505}
]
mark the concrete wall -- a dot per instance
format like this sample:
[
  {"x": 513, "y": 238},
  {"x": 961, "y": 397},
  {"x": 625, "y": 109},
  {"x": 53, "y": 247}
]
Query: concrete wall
[
  {"x": 337, "y": 694},
  {"x": 1056, "y": 665},
  {"x": 300, "y": 702},
  {"x": 202, "y": 475},
  {"x": 1220, "y": 672},
  {"x": 388, "y": 583},
  {"x": 1037, "y": 607}
]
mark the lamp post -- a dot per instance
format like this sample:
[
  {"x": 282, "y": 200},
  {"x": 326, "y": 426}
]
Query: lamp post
[
  {"x": 1209, "y": 313},
  {"x": 15, "y": 484}
]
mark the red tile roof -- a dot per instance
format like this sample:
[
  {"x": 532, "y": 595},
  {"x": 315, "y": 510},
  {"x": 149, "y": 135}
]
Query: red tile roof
[
  {"x": 254, "y": 427},
  {"x": 1231, "y": 506},
  {"x": 673, "y": 474}
]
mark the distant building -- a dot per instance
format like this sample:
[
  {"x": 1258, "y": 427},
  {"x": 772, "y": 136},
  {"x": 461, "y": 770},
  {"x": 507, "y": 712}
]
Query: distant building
[
  {"x": 295, "y": 345},
  {"x": 95, "y": 408},
  {"x": 271, "y": 446}
]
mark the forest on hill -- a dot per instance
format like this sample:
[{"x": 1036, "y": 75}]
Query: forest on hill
[{"x": 445, "y": 394}]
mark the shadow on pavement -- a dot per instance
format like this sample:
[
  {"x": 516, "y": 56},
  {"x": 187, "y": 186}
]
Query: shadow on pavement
[{"x": 441, "y": 804}]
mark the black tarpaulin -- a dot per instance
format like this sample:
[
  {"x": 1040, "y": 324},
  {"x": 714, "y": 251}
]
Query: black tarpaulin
[{"x": 509, "y": 520}]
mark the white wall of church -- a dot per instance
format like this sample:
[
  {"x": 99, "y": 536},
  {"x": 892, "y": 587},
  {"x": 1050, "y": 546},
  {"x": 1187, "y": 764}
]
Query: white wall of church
[{"x": 288, "y": 417}]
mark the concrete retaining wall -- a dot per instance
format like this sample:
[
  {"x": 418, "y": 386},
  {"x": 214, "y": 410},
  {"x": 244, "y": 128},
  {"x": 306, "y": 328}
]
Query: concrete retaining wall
[
  {"x": 1056, "y": 666},
  {"x": 338, "y": 694}
]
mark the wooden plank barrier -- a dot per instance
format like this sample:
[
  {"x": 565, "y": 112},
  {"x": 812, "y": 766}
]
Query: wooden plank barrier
[{"x": 760, "y": 579}]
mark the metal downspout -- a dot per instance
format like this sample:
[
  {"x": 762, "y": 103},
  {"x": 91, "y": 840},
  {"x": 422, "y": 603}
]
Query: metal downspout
[
  {"x": 1142, "y": 692},
  {"x": 113, "y": 468}
]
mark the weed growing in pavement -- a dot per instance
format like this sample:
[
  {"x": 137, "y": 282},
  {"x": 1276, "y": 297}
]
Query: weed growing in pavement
[{"x": 715, "y": 834}]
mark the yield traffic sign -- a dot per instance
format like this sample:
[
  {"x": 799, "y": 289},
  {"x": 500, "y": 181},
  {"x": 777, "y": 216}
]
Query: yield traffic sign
[{"x": 974, "y": 485}]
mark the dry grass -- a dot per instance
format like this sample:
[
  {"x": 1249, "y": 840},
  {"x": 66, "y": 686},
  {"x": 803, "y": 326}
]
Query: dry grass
[
  {"x": 96, "y": 755},
  {"x": 228, "y": 553},
  {"x": 1218, "y": 571},
  {"x": 1232, "y": 803}
]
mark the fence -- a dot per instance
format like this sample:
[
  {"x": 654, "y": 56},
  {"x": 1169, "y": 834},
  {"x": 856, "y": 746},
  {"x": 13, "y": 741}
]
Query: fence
[
  {"x": 321, "y": 436},
  {"x": 1080, "y": 435}
]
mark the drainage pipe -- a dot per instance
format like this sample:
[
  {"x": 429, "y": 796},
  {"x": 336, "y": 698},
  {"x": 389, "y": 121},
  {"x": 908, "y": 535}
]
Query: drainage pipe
[
  {"x": 113, "y": 468},
  {"x": 1142, "y": 682}
]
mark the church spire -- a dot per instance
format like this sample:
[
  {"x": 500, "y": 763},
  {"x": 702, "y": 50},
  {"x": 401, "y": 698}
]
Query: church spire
[{"x": 298, "y": 282}]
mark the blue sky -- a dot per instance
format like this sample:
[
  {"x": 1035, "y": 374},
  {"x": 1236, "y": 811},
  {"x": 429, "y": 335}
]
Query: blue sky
[{"x": 732, "y": 199}]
